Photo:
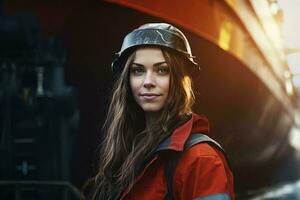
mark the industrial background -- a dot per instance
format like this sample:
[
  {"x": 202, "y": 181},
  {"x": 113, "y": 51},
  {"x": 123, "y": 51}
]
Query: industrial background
[{"x": 55, "y": 84}]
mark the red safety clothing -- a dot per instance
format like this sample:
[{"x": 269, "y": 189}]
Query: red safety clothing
[{"x": 202, "y": 171}]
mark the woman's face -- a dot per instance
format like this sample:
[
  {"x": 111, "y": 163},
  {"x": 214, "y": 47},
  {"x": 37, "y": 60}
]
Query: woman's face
[{"x": 150, "y": 79}]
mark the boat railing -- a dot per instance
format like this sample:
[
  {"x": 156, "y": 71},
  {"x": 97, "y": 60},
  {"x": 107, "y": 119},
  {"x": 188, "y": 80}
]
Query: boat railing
[{"x": 40, "y": 190}]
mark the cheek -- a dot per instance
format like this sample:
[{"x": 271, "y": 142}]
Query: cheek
[
  {"x": 165, "y": 84},
  {"x": 133, "y": 82}
]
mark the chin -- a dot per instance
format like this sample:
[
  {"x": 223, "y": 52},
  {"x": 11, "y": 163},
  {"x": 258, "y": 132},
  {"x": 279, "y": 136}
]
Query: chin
[{"x": 151, "y": 109}]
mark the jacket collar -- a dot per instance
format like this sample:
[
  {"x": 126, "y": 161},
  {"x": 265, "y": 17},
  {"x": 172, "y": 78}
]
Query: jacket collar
[{"x": 175, "y": 142}]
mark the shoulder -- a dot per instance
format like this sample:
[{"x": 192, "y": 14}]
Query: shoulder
[
  {"x": 202, "y": 159},
  {"x": 202, "y": 170},
  {"x": 203, "y": 153}
]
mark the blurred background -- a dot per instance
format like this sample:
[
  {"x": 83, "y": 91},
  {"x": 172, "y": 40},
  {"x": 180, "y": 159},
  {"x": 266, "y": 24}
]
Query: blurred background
[{"x": 55, "y": 83}]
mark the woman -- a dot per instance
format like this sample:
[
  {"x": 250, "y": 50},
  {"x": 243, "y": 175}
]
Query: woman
[{"x": 149, "y": 122}]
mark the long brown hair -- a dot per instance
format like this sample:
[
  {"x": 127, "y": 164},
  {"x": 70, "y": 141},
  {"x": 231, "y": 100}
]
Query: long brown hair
[{"x": 127, "y": 142}]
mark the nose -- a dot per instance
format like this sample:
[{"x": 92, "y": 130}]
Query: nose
[{"x": 149, "y": 81}]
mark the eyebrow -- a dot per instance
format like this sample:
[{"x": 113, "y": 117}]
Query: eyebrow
[{"x": 156, "y": 64}]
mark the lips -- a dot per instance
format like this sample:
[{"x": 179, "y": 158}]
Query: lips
[{"x": 149, "y": 96}]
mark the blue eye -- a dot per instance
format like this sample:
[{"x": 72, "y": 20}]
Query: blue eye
[
  {"x": 163, "y": 70},
  {"x": 137, "y": 70}
]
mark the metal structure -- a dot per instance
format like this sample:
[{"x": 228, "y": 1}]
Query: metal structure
[
  {"x": 243, "y": 87},
  {"x": 38, "y": 114}
]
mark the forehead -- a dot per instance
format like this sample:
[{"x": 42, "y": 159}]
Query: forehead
[{"x": 148, "y": 55}]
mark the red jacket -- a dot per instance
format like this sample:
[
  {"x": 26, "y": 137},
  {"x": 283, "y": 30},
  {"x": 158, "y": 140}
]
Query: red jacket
[{"x": 201, "y": 173}]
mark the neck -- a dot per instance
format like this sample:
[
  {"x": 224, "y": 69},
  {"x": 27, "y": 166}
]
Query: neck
[{"x": 151, "y": 118}]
